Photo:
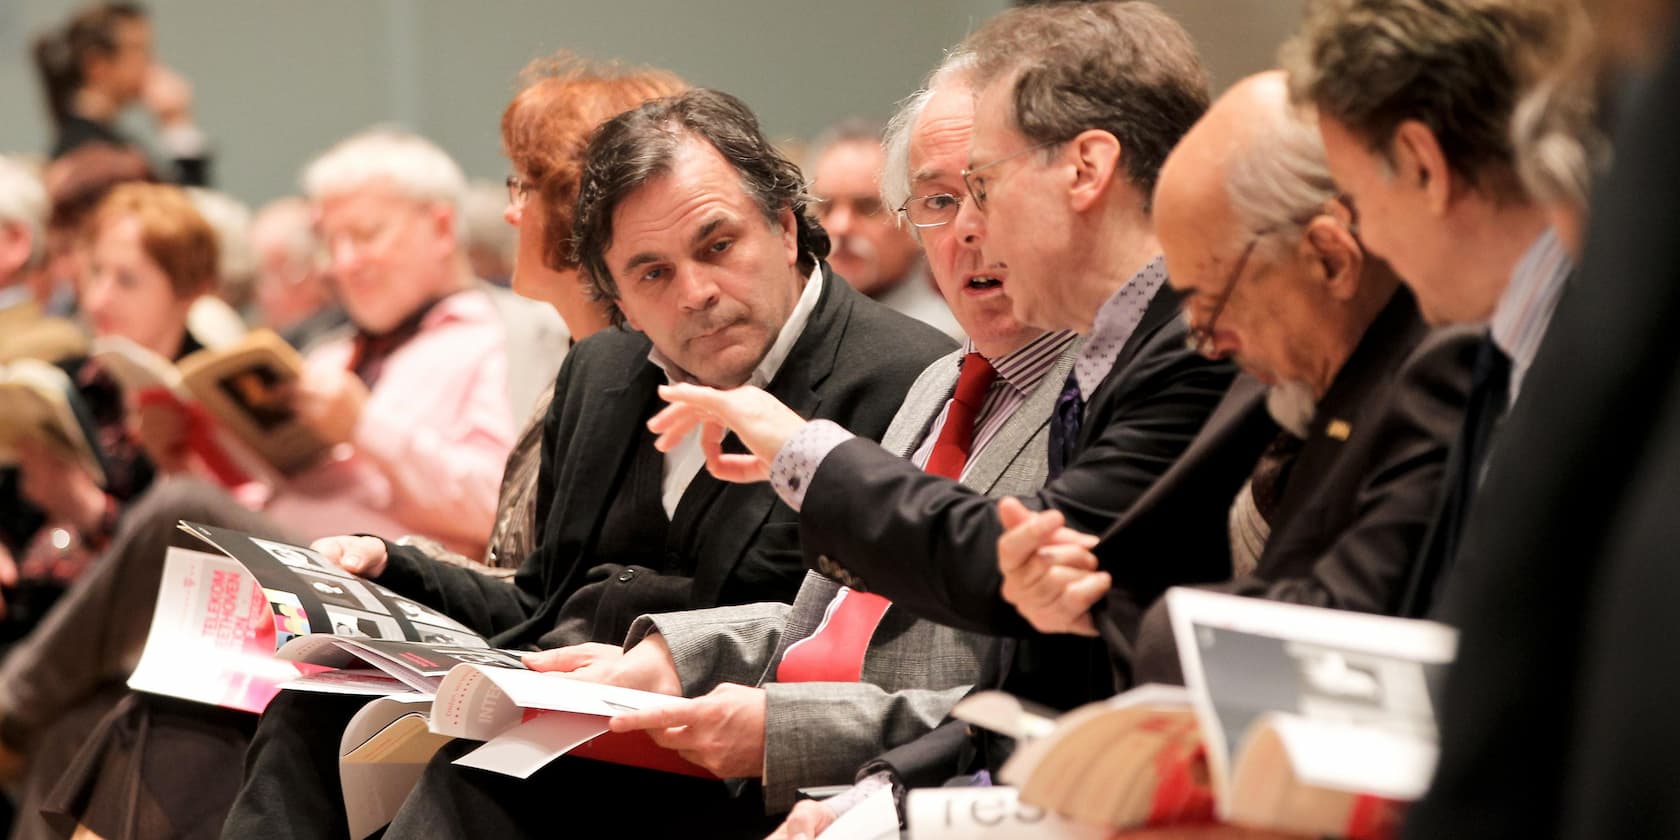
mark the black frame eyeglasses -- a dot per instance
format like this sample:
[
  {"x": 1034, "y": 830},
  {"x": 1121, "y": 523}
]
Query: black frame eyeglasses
[{"x": 1200, "y": 339}]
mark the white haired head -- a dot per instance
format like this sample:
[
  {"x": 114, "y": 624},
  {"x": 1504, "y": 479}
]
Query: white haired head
[
  {"x": 895, "y": 173},
  {"x": 23, "y": 203},
  {"x": 1279, "y": 178},
  {"x": 410, "y": 164}
]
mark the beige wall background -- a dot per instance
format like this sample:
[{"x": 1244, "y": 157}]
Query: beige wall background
[{"x": 277, "y": 82}]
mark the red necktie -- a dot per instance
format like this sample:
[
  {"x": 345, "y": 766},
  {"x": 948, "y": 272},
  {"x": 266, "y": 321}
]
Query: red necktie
[{"x": 835, "y": 651}]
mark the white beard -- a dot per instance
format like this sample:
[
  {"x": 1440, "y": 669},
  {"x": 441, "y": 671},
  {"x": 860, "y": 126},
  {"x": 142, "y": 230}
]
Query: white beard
[{"x": 1292, "y": 405}]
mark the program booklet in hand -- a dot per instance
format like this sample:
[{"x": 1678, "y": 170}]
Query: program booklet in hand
[
  {"x": 244, "y": 388},
  {"x": 1295, "y": 719},
  {"x": 221, "y": 616}
]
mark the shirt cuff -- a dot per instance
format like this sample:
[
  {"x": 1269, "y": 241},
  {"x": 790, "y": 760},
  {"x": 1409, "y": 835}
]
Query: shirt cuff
[
  {"x": 796, "y": 463},
  {"x": 848, "y": 799}
]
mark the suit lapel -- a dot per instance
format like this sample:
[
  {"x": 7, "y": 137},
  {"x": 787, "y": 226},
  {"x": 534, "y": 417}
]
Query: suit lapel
[
  {"x": 1022, "y": 427},
  {"x": 931, "y": 391},
  {"x": 615, "y": 430}
]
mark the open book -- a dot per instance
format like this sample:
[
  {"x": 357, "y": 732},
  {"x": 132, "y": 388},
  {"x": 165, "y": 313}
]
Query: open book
[
  {"x": 244, "y": 387},
  {"x": 236, "y": 626},
  {"x": 39, "y": 402},
  {"x": 1294, "y": 719}
]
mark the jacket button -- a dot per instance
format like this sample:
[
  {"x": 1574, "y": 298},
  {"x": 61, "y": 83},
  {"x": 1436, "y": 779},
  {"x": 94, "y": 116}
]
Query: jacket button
[{"x": 626, "y": 576}]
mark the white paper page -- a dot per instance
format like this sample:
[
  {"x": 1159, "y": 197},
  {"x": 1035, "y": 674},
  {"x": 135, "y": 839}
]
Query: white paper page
[
  {"x": 875, "y": 818},
  {"x": 556, "y": 692},
  {"x": 363, "y": 681},
  {"x": 1358, "y": 759},
  {"x": 1328, "y": 665},
  {"x": 986, "y": 813},
  {"x": 531, "y": 745}
]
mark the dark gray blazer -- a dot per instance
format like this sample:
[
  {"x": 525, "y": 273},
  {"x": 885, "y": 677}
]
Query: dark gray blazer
[{"x": 819, "y": 733}]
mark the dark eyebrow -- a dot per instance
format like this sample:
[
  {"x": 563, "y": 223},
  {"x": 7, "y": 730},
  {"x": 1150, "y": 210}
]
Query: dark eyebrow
[{"x": 706, "y": 230}]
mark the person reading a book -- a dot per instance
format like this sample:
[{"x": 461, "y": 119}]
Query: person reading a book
[
  {"x": 293, "y": 293},
  {"x": 150, "y": 256},
  {"x": 418, "y": 398},
  {"x": 544, "y": 131}
]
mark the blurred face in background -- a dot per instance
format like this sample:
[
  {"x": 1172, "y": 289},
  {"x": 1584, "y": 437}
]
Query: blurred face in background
[
  {"x": 389, "y": 253},
  {"x": 869, "y": 248},
  {"x": 125, "y": 293},
  {"x": 121, "y": 74}
]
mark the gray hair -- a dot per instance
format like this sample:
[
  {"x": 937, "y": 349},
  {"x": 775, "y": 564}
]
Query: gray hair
[
  {"x": 286, "y": 224},
  {"x": 895, "y": 172},
  {"x": 23, "y": 201},
  {"x": 236, "y": 260},
  {"x": 1279, "y": 179},
  {"x": 411, "y": 164},
  {"x": 1558, "y": 143}
]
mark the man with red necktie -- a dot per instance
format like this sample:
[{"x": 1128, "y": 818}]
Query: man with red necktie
[{"x": 801, "y": 696}]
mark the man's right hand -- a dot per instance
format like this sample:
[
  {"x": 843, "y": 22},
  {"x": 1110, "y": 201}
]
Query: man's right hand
[
  {"x": 760, "y": 420},
  {"x": 647, "y": 666},
  {"x": 808, "y": 819},
  {"x": 361, "y": 556}
]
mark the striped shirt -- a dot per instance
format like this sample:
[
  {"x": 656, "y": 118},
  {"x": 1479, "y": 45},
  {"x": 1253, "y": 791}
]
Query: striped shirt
[
  {"x": 1019, "y": 372},
  {"x": 1520, "y": 318}
]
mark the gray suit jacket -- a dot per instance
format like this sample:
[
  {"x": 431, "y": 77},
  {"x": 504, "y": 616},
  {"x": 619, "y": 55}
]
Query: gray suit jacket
[{"x": 819, "y": 733}]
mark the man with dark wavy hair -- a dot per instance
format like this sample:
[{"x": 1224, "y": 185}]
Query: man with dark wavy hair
[{"x": 694, "y": 228}]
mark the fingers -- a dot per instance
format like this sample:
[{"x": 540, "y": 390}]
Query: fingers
[
  {"x": 363, "y": 556},
  {"x": 729, "y": 466},
  {"x": 663, "y": 717},
  {"x": 1031, "y": 531},
  {"x": 673, "y": 423},
  {"x": 806, "y": 821},
  {"x": 569, "y": 658}
]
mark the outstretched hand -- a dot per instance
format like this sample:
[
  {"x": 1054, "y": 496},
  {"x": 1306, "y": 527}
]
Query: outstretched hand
[{"x": 761, "y": 422}]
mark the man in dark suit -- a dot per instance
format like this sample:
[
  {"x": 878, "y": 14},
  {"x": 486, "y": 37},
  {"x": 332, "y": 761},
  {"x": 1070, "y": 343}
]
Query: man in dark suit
[
  {"x": 693, "y": 226},
  {"x": 1077, "y": 106},
  {"x": 1333, "y": 508}
]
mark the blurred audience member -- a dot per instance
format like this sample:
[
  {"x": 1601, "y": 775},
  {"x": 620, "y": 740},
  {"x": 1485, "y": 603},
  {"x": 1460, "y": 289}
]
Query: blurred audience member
[
  {"x": 293, "y": 293},
  {"x": 236, "y": 263},
  {"x": 100, "y": 63},
  {"x": 76, "y": 183},
  {"x": 872, "y": 251},
  {"x": 489, "y": 241},
  {"x": 24, "y": 290}
]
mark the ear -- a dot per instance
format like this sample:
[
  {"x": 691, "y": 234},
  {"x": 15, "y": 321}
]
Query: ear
[
  {"x": 1095, "y": 157},
  {"x": 14, "y": 248},
  {"x": 441, "y": 219},
  {"x": 1418, "y": 160},
  {"x": 790, "y": 235},
  {"x": 1336, "y": 253}
]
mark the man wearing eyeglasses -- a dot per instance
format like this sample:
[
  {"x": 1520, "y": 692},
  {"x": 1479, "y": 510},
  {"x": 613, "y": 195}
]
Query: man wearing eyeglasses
[
  {"x": 871, "y": 250},
  {"x": 1078, "y": 104},
  {"x": 1348, "y": 408}
]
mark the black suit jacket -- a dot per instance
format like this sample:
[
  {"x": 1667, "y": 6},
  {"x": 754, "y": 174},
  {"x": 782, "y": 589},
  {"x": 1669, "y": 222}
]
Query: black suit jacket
[
  {"x": 1360, "y": 494},
  {"x": 930, "y": 544},
  {"x": 1559, "y": 714},
  {"x": 737, "y": 543}
]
